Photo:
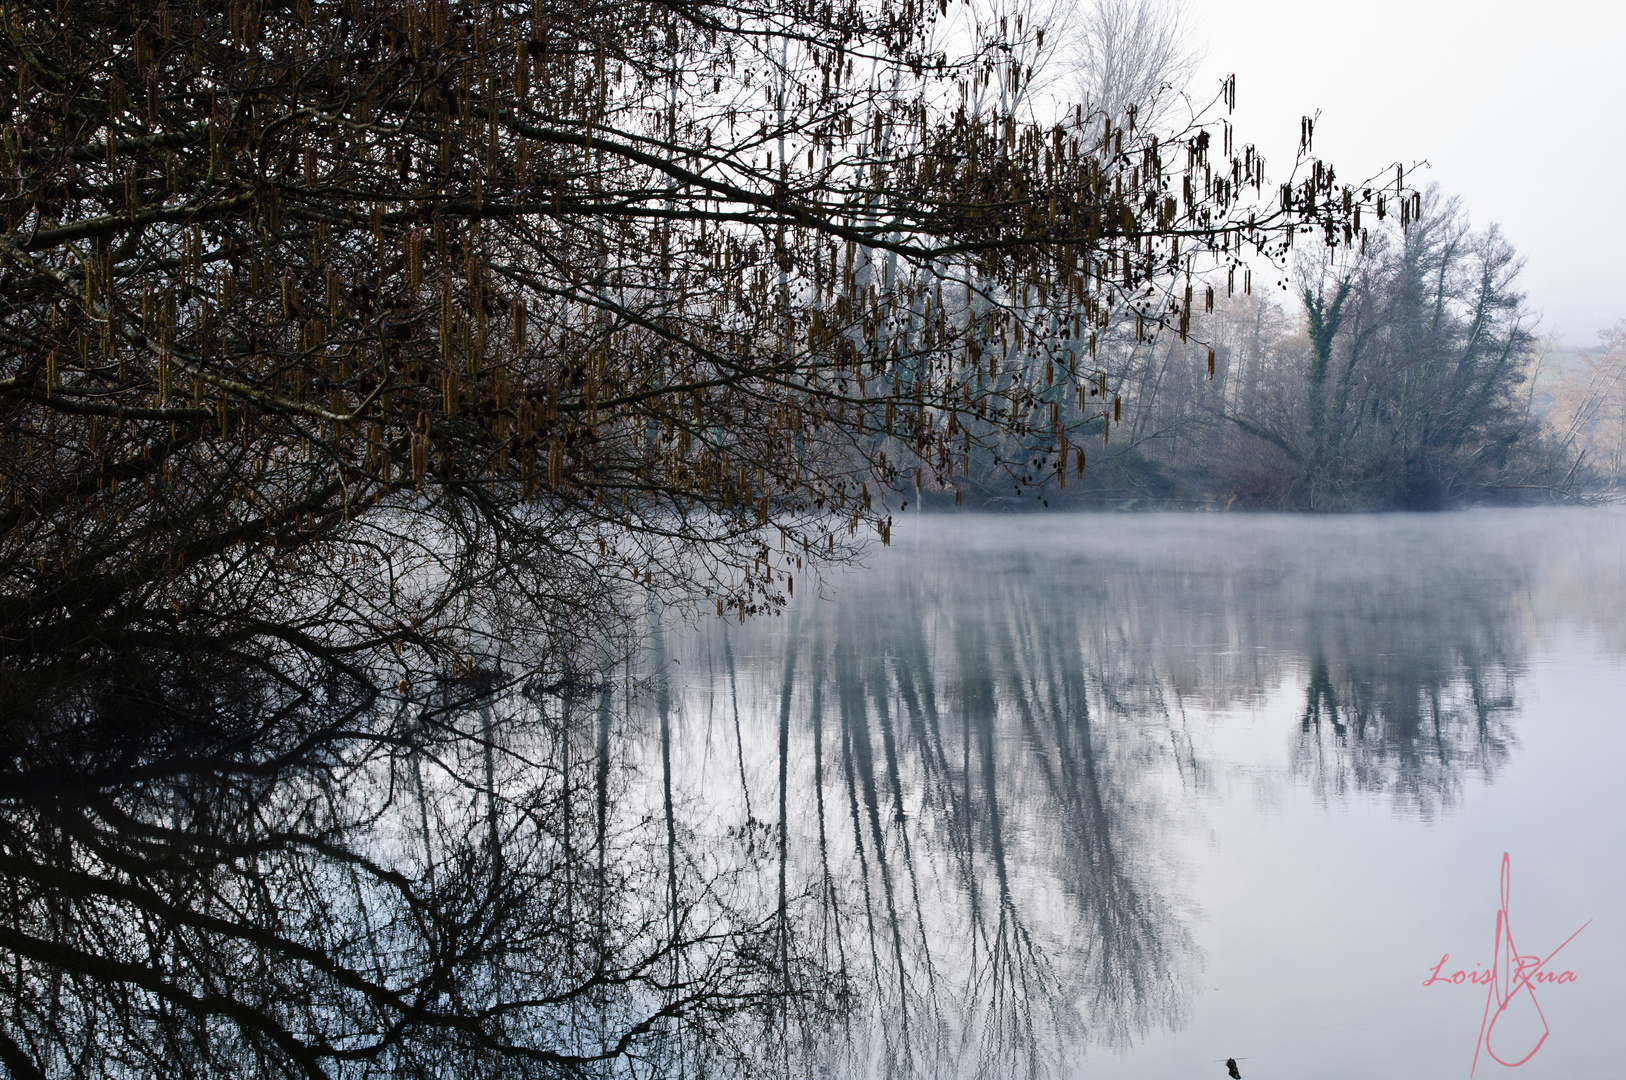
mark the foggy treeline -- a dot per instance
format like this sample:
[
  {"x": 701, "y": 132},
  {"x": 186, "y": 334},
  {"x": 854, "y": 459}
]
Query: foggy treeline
[
  {"x": 1587, "y": 390},
  {"x": 1410, "y": 376}
]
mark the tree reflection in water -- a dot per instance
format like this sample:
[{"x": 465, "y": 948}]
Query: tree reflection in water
[
  {"x": 208, "y": 873},
  {"x": 979, "y": 854},
  {"x": 931, "y": 827},
  {"x": 982, "y": 752}
]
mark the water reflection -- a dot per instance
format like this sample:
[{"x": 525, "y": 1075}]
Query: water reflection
[
  {"x": 933, "y": 826},
  {"x": 210, "y": 873},
  {"x": 978, "y": 851},
  {"x": 983, "y": 756}
]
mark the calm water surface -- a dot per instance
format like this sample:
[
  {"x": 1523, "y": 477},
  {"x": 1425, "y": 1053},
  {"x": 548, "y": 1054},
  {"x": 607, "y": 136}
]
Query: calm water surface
[{"x": 1124, "y": 796}]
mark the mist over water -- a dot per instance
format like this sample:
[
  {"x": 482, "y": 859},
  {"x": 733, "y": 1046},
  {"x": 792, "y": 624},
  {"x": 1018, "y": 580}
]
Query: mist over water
[
  {"x": 1038, "y": 796},
  {"x": 1127, "y": 795}
]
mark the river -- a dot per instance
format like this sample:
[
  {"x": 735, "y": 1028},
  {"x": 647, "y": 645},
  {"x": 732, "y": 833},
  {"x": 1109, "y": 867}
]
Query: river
[{"x": 1130, "y": 795}]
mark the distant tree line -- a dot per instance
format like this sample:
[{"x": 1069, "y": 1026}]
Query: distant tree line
[
  {"x": 1584, "y": 391},
  {"x": 1404, "y": 375}
]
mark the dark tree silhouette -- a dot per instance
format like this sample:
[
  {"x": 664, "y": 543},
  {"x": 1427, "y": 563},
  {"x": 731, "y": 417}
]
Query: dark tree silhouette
[
  {"x": 301, "y": 296},
  {"x": 358, "y": 353}
]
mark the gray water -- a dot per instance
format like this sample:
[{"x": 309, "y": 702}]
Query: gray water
[{"x": 1125, "y": 796}]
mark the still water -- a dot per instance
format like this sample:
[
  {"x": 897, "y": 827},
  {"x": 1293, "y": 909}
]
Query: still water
[{"x": 1126, "y": 796}]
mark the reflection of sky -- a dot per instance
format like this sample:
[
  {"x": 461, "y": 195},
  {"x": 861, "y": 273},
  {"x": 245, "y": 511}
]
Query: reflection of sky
[
  {"x": 1288, "y": 893},
  {"x": 1321, "y": 923}
]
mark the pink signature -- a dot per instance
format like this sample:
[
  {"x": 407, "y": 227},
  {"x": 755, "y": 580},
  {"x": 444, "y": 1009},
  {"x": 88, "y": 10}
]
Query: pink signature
[{"x": 1510, "y": 974}]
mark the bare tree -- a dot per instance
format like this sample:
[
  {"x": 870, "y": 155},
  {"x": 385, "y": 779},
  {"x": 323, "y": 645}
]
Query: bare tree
[
  {"x": 1403, "y": 375},
  {"x": 1588, "y": 408},
  {"x": 1133, "y": 56},
  {"x": 355, "y": 350},
  {"x": 527, "y": 295}
]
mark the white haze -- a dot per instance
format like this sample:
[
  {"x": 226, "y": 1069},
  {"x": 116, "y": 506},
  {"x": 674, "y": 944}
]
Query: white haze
[{"x": 1514, "y": 106}]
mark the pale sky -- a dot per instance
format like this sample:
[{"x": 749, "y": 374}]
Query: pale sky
[{"x": 1515, "y": 106}]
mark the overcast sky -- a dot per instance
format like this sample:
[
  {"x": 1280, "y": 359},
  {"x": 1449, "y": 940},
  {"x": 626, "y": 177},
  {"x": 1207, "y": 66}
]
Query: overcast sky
[{"x": 1515, "y": 106}]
